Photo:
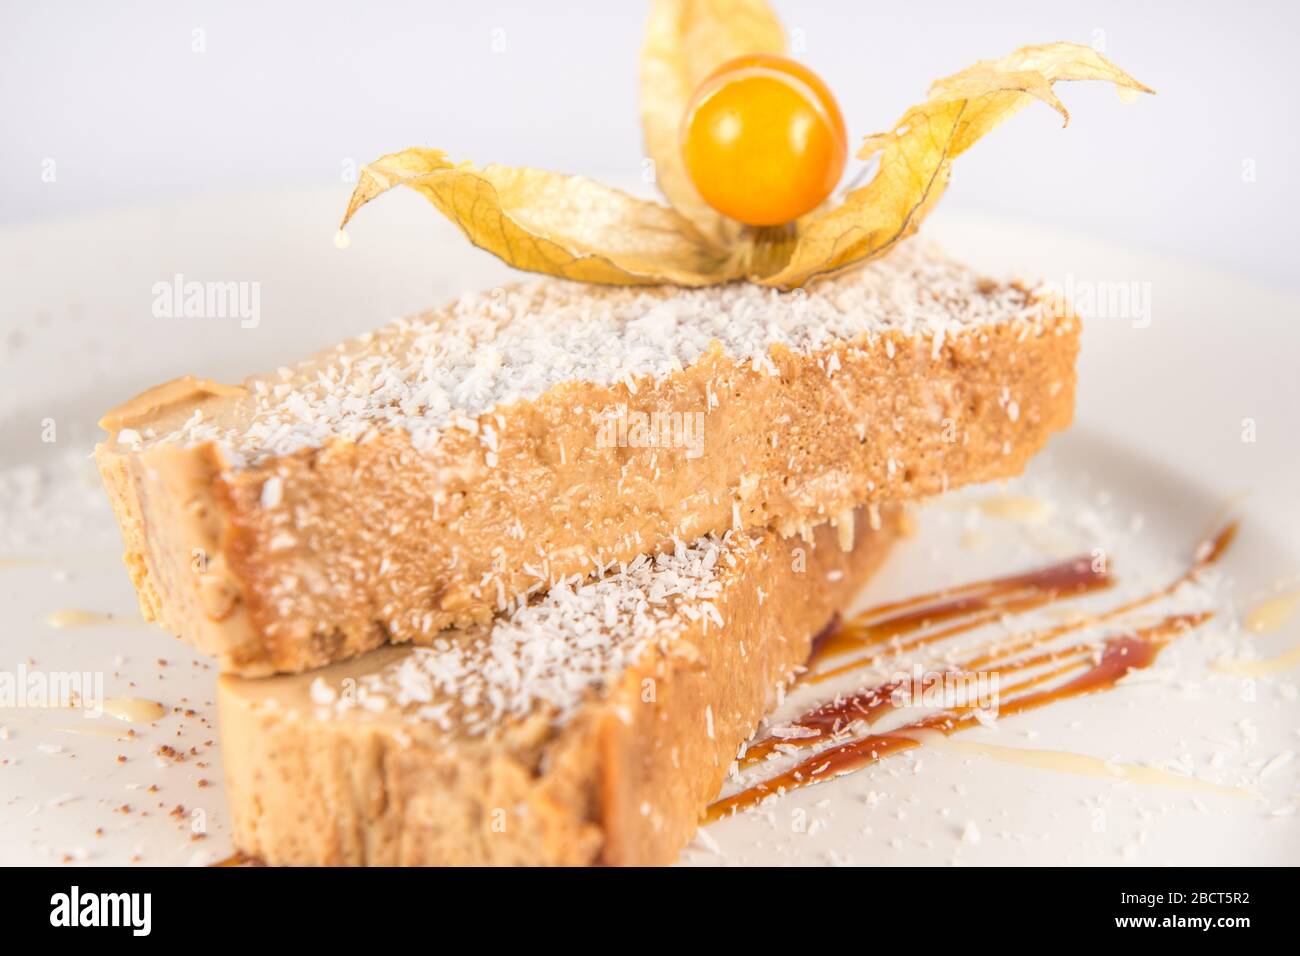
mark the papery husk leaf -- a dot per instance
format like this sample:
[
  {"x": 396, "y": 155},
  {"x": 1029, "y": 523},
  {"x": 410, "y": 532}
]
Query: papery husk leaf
[
  {"x": 685, "y": 41},
  {"x": 566, "y": 226},
  {"x": 916, "y": 156}
]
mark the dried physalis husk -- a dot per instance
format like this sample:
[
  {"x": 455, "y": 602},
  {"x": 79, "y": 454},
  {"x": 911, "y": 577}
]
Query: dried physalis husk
[
  {"x": 916, "y": 155},
  {"x": 575, "y": 228},
  {"x": 685, "y": 41},
  {"x": 566, "y": 226}
]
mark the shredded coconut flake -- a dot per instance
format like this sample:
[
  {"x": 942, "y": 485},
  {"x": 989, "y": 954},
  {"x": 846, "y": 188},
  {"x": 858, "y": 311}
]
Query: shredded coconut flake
[
  {"x": 554, "y": 651},
  {"x": 449, "y": 367}
]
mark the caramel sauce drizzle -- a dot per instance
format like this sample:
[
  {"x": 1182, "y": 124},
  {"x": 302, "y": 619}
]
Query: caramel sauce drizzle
[
  {"x": 893, "y": 629},
  {"x": 972, "y": 605},
  {"x": 239, "y": 858}
]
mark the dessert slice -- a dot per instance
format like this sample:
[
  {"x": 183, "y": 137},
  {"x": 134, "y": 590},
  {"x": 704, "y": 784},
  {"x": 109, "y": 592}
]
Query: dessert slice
[
  {"x": 592, "y": 724},
  {"x": 424, "y": 476}
]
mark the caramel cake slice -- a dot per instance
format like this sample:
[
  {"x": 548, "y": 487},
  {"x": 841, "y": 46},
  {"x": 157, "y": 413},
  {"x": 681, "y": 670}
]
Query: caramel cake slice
[
  {"x": 592, "y": 724},
  {"x": 423, "y": 476}
]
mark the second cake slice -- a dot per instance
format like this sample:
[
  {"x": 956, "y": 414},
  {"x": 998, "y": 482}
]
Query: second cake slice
[{"x": 593, "y": 724}]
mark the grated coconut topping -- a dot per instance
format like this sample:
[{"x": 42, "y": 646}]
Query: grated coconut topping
[
  {"x": 448, "y": 367},
  {"x": 551, "y": 652}
]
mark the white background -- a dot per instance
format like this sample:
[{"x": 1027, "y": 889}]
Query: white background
[{"x": 293, "y": 94}]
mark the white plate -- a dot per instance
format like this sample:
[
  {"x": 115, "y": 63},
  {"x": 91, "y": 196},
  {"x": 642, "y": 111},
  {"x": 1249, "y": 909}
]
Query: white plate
[{"x": 1157, "y": 454}]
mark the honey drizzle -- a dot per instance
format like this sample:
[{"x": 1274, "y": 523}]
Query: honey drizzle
[{"x": 1132, "y": 649}]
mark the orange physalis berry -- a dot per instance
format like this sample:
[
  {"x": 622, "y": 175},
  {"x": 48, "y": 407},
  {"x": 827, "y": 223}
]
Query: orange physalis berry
[{"x": 763, "y": 140}]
